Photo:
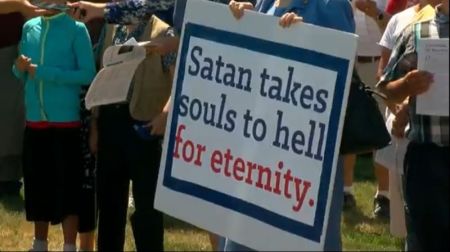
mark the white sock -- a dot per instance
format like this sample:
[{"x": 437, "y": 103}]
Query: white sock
[
  {"x": 39, "y": 245},
  {"x": 348, "y": 189},
  {"x": 382, "y": 193},
  {"x": 70, "y": 247}
]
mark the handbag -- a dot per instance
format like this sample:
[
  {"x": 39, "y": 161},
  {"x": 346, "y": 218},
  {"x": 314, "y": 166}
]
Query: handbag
[{"x": 364, "y": 127}]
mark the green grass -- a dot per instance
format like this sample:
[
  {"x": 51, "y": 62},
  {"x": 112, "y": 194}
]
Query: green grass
[{"x": 359, "y": 231}]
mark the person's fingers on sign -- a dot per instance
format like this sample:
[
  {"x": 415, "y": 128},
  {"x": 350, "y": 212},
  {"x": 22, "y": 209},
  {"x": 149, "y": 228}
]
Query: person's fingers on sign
[
  {"x": 238, "y": 8},
  {"x": 289, "y": 19}
]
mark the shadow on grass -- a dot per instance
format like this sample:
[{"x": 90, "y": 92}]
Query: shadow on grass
[
  {"x": 364, "y": 170},
  {"x": 172, "y": 223},
  {"x": 12, "y": 203},
  {"x": 354, "y": 217}
]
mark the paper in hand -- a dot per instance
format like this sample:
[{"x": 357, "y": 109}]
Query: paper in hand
[
  {"x": 433, "y": 57},
  {"x": 112, "y": 83}
]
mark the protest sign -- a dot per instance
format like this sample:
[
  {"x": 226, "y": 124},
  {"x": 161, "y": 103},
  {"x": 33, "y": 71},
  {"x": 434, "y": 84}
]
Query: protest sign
[{"x": 253, "y": 139}]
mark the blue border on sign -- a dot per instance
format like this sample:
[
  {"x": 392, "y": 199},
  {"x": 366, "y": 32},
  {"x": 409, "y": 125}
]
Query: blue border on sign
[{"x": 314, "y": 58}]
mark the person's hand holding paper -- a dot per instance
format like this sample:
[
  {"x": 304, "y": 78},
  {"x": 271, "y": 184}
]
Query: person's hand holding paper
[
  {"x": 161, "y": 45},
  {"x": 433, "y": 57}
]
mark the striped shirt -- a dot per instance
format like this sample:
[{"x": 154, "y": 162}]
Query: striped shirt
[{"x": 424, "y": 129}]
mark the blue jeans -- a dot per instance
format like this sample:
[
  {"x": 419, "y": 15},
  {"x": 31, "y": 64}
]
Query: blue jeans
[{"x": 333, "y": 232}]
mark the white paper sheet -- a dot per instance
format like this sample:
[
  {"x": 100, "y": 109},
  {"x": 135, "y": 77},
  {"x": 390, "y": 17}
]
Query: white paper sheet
[
  {"x": 393, "y": 155},
  {"x": 112, "y": 83},
  {"x": 433, "y": 57}
]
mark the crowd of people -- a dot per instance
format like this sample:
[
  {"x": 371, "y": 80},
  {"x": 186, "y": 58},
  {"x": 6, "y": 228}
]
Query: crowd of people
[{"x": 77, "y": 164}]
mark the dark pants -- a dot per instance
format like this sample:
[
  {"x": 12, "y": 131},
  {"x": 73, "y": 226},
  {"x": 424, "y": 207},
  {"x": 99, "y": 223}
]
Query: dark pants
[
  {"x": 122, "y": 156},
  {"x": 427, "y": 197}
]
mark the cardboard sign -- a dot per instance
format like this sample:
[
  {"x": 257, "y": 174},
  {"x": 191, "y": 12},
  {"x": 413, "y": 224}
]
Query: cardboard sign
[{"x": 253, "y": 139}]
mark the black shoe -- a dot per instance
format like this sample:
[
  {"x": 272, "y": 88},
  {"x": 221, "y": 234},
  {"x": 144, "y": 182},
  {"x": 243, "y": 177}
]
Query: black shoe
[
  {"x": 349, "y": 201},
  {"x": 381, "y": 207}
]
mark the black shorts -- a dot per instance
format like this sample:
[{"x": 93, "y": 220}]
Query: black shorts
[{"x": 51, "y": 173}]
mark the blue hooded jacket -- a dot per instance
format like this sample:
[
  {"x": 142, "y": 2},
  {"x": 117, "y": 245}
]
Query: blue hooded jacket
[{"x": 61, "y": 49}]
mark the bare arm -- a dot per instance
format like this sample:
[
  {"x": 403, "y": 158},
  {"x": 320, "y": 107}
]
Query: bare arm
[
  {"x": 23, "y": 6},
  {"x": 8, "y": 6},
  {"x": 119, "y": 12},
  {"x": 369, "y": 7},
  {"x": 384, "y": 59},
  {"x": 413, "y": 83}
]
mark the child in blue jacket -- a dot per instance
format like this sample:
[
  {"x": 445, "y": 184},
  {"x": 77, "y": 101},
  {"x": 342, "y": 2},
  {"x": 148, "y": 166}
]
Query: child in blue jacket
[{"x": 55, "y": 61}]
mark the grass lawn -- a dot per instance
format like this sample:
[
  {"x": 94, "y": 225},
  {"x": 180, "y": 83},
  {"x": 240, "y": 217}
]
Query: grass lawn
[{"x": 360, "y": 230}]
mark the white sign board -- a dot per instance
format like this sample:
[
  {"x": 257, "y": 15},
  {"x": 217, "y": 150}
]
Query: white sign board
[{"x": 253, "y": 139}]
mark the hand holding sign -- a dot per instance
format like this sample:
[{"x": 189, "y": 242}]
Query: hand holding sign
[{"x": 238, "y": 8}]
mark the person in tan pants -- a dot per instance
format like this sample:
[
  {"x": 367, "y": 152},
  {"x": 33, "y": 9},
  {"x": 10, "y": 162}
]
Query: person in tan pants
[{"x": 370, "y": 21}]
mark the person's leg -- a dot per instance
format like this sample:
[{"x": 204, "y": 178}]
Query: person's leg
[
  {"x": 112, "y": 199},
  {"x": 87, "y": 241},
  {"x": 213, "y": 239},
  {"x": 333, "y": 232},
  {"x": 87, "y": 216},
  {"x": 230, "y": 245},
  {"x": 382, "y": 175},
  {"x": 40, "y": 181},
  {"x": 112, "y": 181},
  {"x": 217, "y": 242},
  {"x": 67, "y": 153},
  {"x": 87, "y": 219},
  {"x": 349, "y": 166},
  {"x": 381, "y": 201},
  {"x": 220, "y": 243},
  {"x": 144, "y": 158},
  {"x": 426, "y": 196},
  {"x": 439, "y": 229},
  {"x": 368, "y": 74},
  {"x": 397, "y": 213},
  {"x": 70, "y": 227},
  {"x": 40, "y": 236}
]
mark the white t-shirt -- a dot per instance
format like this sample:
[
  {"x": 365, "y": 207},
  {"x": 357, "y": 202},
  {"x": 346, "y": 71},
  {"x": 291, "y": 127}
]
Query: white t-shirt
[
  {"x": 368, "y": 32},
  {"x": 396, "y": 26},
  {"x": 393, "y": 155}
]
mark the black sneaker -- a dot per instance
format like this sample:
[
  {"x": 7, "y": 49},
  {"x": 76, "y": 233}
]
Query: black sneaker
[
  {"x": 381, "y": 207},
  {"x": 349, "y": 201}
]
